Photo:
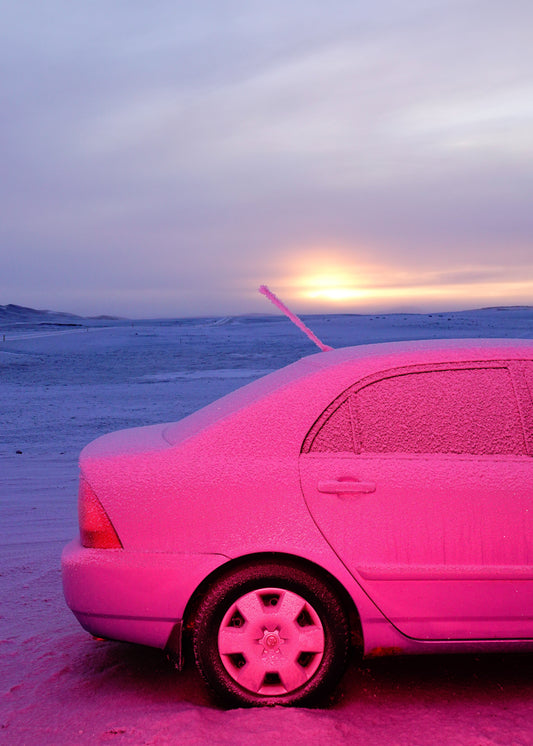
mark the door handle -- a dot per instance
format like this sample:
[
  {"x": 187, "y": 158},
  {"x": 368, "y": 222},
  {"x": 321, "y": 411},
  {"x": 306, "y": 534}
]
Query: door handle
[{"x": 338, "y": 486}]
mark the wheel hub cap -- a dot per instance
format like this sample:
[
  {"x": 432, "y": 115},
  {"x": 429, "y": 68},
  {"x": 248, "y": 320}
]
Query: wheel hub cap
[{"x": 271, "y": 641}]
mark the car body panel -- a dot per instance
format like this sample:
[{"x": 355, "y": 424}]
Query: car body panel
[
  {"x": 437, "y": 553},
  {"x": 436, "y": 525},
  {"x": 131, "y": 596},
  {"x": 230, "y": 482}
]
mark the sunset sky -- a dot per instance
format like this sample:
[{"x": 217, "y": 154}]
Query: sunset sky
[{"x": 167, "y": 158}]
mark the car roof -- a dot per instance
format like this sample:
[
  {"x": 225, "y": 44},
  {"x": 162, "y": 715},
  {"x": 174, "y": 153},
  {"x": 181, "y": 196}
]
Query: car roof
[{"x": 372, "y": 358}]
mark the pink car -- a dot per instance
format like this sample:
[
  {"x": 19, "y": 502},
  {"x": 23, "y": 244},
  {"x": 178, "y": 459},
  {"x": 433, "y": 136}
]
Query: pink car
[{"x": 379, "y": 495}]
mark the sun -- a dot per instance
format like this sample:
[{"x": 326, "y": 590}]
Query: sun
[
  {"x": 330, "y": 286},
  {"x": 337, "y": 294}
]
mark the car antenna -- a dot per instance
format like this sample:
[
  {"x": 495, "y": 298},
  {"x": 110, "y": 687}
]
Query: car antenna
[{"x": 294, "y": 318}]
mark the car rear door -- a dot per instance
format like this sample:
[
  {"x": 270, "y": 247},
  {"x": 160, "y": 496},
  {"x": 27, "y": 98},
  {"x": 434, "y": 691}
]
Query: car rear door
[{"x": 421, "y": 481}]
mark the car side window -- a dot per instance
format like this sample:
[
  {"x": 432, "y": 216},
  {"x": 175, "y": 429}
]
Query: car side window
[
  {"x": 456, "y": 411},
  {"x": 472, "y": 411},
  {"x": 528, "y": 372},
  {"x": 336, "y": 434}
]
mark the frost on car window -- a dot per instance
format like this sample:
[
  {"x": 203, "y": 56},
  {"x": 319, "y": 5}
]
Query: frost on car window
[
  {"x": 528, "y": 372},
  {"x": 336, "y": 434},
  {"x": 470, "y": 411}
]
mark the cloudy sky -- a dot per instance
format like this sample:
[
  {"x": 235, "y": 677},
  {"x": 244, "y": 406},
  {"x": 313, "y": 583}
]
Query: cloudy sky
[{"x": 167, "y": 158}]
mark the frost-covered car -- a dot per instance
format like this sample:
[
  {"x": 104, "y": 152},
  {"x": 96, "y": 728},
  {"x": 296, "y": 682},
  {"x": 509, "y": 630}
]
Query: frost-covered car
[{"x": 378, "y": 495}]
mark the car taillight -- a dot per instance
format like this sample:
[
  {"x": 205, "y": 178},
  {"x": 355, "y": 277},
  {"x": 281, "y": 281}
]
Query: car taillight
[{"x": 96, "y": 530}]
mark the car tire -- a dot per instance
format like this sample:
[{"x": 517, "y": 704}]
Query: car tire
[{"x": 271, "y": 634}]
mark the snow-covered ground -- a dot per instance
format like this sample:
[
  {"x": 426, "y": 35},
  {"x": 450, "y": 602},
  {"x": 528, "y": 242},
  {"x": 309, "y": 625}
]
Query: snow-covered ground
[{"x": 61, "y": 386}]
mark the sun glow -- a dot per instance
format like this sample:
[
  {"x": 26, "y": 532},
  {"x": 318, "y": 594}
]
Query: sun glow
[
  {"x": 372, "y": 287},
  {"x": 339, "y": 286},
  {"x": 333, "y": 286},
  {"x": 336, "y": 294}
]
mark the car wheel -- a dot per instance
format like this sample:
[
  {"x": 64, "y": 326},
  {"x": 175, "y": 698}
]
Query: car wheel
[{"x": 271, "y": 634}]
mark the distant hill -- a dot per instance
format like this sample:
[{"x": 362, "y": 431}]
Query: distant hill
[
  {"x": 17, "y": 317},
  {"x": 14, "y": 314},
  {"x": 12, "y": 311}
]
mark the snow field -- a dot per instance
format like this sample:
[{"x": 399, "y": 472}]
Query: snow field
[{"x": 58, "y": 686}]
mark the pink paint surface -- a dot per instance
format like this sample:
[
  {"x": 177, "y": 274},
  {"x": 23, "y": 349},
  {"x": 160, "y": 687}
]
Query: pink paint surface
[{"x": 403, "y": 471}]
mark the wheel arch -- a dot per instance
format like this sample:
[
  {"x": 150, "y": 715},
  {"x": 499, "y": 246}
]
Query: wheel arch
[{"x": 290, "y": 560}]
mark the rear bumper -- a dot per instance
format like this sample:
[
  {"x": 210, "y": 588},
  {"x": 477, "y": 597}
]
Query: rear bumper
[{"x": 135, "y": 597}]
